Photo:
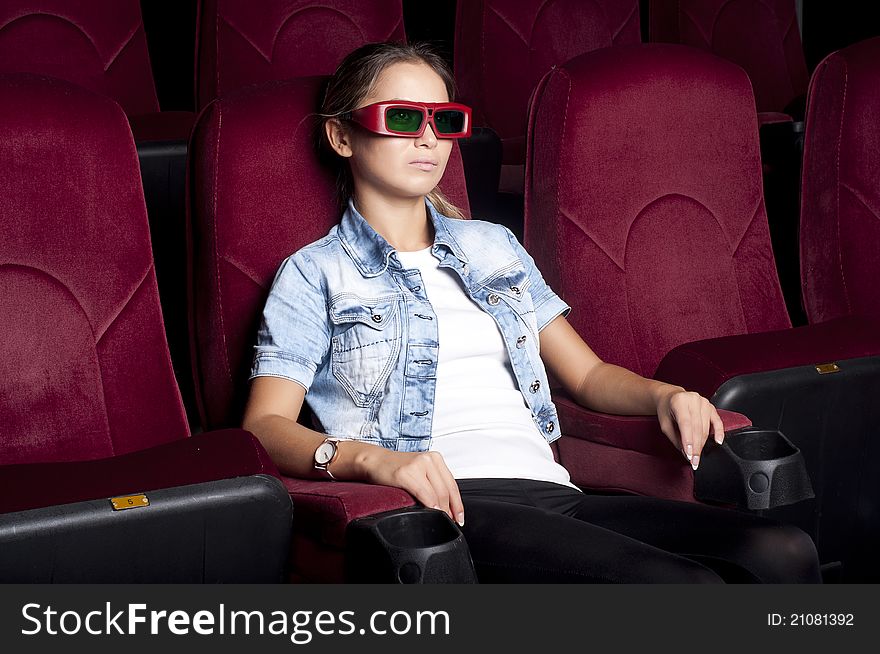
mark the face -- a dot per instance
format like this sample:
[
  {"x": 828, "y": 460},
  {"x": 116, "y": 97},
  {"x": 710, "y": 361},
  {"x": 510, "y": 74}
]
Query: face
[{"x": 396, "y": 166}]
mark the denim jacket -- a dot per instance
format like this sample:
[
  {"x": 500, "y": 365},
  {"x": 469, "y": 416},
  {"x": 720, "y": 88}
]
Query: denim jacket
[{"x": 346, "y": 321}]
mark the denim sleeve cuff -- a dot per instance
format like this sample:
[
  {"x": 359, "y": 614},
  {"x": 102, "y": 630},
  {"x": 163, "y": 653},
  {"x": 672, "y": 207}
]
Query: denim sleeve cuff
[
  {"x": 548, "y": 307},
  {"x": 280, "y": 364}
]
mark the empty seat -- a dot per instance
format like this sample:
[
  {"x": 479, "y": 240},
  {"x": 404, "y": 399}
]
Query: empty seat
[
  {"x": 761, "y": 36},
  {"x": 504, "y": 47},
  {"x": 101, "y": 46},
  {"x": 91, "y": 410},
  {"x": 242, "y": 43},
  {"x": 258, "y": 194},
  {"x": 840, "y": 206},
  {"x": 653, "y": 229}
]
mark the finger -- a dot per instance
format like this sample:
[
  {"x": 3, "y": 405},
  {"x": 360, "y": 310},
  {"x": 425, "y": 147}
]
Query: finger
[
  {"x": 717, "y": 426},
  {"x": 702, "y": 431},
  {"x": 686, "y": 427},
  {"x": 694, "y": 434},
  {"x": 455, "y": 502},
  {"x": 441, "y": 490},
  {"x": 683, "y": 420},
  {"x": 679, "y": 421}
]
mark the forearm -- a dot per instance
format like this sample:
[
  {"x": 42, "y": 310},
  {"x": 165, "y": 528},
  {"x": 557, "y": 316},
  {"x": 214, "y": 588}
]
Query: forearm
[
  {"x": 292, "y": 447},
  {"x": 612, "y": 389}
]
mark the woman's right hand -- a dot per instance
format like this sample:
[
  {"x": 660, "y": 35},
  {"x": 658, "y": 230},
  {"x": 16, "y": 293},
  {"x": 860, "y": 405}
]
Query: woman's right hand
[
  {"x": 423, "y": 474},
  {"x": 272, "y": 410}
]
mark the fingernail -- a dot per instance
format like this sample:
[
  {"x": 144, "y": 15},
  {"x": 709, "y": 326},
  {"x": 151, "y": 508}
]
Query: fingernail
[
  {"x": 460, "y": 519},
  {"x": 436, "y": 507},
  {"x": 695, "y": 462},
  {"x": 719, "y": 439},
  {"x": 684, "y": 454},
  {"x": 690, "y": 451}
]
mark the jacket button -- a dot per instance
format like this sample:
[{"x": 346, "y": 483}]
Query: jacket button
[
  {"x": 377, "y": 317},
  {"x": 550, "y": 427},
  {"x": 515, "y": 289},
  {"x": 535, "y": 386},
  {"x": 521, "y": 342},
  {"x": 492, "y": 299}
]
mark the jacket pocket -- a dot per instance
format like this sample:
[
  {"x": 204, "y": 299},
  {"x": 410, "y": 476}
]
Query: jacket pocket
[
  {"x": 365, "y": 345},
  {"x": 513, "y": 287}
]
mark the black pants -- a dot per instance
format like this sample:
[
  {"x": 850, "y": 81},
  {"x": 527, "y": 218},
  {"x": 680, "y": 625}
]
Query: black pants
[{"x": 534, "y": 531}]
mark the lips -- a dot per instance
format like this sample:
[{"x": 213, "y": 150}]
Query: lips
[{"x": 424, "y": 164}]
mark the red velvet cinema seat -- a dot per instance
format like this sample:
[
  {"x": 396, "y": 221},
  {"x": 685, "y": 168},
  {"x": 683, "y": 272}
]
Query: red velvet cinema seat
[
  {"x": 648, "y": 218},
  {"x": 258, "y": 193},
  {"x": 762, "y": 36},
  {"x": 243, "y": 43},
  {"x": 840, "y": 207},
  {"x": 504, "y": 47},
  {"x": 101, "y": 482},
  {"x": 101, "y": 46}
]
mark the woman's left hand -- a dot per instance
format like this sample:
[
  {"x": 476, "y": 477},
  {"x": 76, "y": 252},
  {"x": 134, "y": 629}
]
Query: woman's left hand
[{"x": 687, "y": 418}]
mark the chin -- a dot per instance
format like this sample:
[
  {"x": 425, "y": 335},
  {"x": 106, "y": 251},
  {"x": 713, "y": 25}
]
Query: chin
[{"x": 417, "y": 190}]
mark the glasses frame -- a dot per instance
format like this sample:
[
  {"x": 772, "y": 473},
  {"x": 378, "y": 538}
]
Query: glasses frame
[{"x": 372, "y": 117}]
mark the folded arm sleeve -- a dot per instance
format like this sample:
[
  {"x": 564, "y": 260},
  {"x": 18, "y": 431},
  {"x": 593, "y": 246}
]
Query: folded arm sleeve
[
  {"x": 294, "y": 334},
  {"x": 548, "y": 305}
]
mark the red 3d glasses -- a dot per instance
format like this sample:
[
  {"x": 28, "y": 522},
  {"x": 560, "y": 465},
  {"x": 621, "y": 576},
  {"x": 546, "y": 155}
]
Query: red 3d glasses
[{"x": 449, "y": 120}]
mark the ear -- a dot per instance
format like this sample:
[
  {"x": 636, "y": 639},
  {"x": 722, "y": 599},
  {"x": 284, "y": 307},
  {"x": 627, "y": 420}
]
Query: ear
[{"x": 338, "y": 136}]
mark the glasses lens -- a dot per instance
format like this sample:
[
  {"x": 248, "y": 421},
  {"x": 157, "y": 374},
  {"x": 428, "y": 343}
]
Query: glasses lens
[
  {"x": 449, "y": 121},
  {"x": 401, "y": 119}
]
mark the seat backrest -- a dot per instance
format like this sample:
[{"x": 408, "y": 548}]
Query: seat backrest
[
  {"x": 99, "y": 44},
  {"x": 503, "y": 47},
  {"x": 258, "y": 193},
  {"x": 762, "y": 36},
  {"x": 243, "y": 43},
  {"x": 644, "y": 202},
  {"x": 84, "y": 365},
  {"x": 840, "y": 203}
]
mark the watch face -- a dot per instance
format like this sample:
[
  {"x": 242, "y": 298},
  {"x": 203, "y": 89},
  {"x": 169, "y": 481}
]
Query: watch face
[{"x": 324, "y": 453}]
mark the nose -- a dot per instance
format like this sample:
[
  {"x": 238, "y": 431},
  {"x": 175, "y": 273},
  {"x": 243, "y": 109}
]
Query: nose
[{"x": 428, "y": 137}]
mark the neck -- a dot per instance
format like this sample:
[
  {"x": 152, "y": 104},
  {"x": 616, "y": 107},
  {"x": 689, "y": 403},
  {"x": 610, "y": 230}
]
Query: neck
[{"x": 403, "y": 222}]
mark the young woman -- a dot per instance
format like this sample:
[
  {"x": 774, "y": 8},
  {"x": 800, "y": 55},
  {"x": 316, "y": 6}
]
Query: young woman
[{"x": 422, "y": 342}]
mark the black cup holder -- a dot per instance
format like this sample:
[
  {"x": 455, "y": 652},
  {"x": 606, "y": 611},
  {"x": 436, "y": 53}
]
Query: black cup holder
[
  {"x": 407, "y": 546},
  {"x": 761, "y": 446},
  {"x": 755, "y": 469}
]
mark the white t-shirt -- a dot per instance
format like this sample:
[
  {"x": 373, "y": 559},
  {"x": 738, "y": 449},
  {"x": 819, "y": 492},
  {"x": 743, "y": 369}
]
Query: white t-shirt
[{"x": 482, "y": 425}]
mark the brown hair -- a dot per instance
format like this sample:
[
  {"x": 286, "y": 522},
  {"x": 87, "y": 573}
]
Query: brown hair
[{"x": 354, "y": 80}]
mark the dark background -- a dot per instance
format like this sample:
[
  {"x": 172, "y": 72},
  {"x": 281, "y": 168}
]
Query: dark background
[{"x": 828, "y": 25}]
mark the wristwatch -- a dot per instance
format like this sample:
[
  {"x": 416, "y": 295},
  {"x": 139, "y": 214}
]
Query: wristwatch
[{"x": 326, "y": 454}]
